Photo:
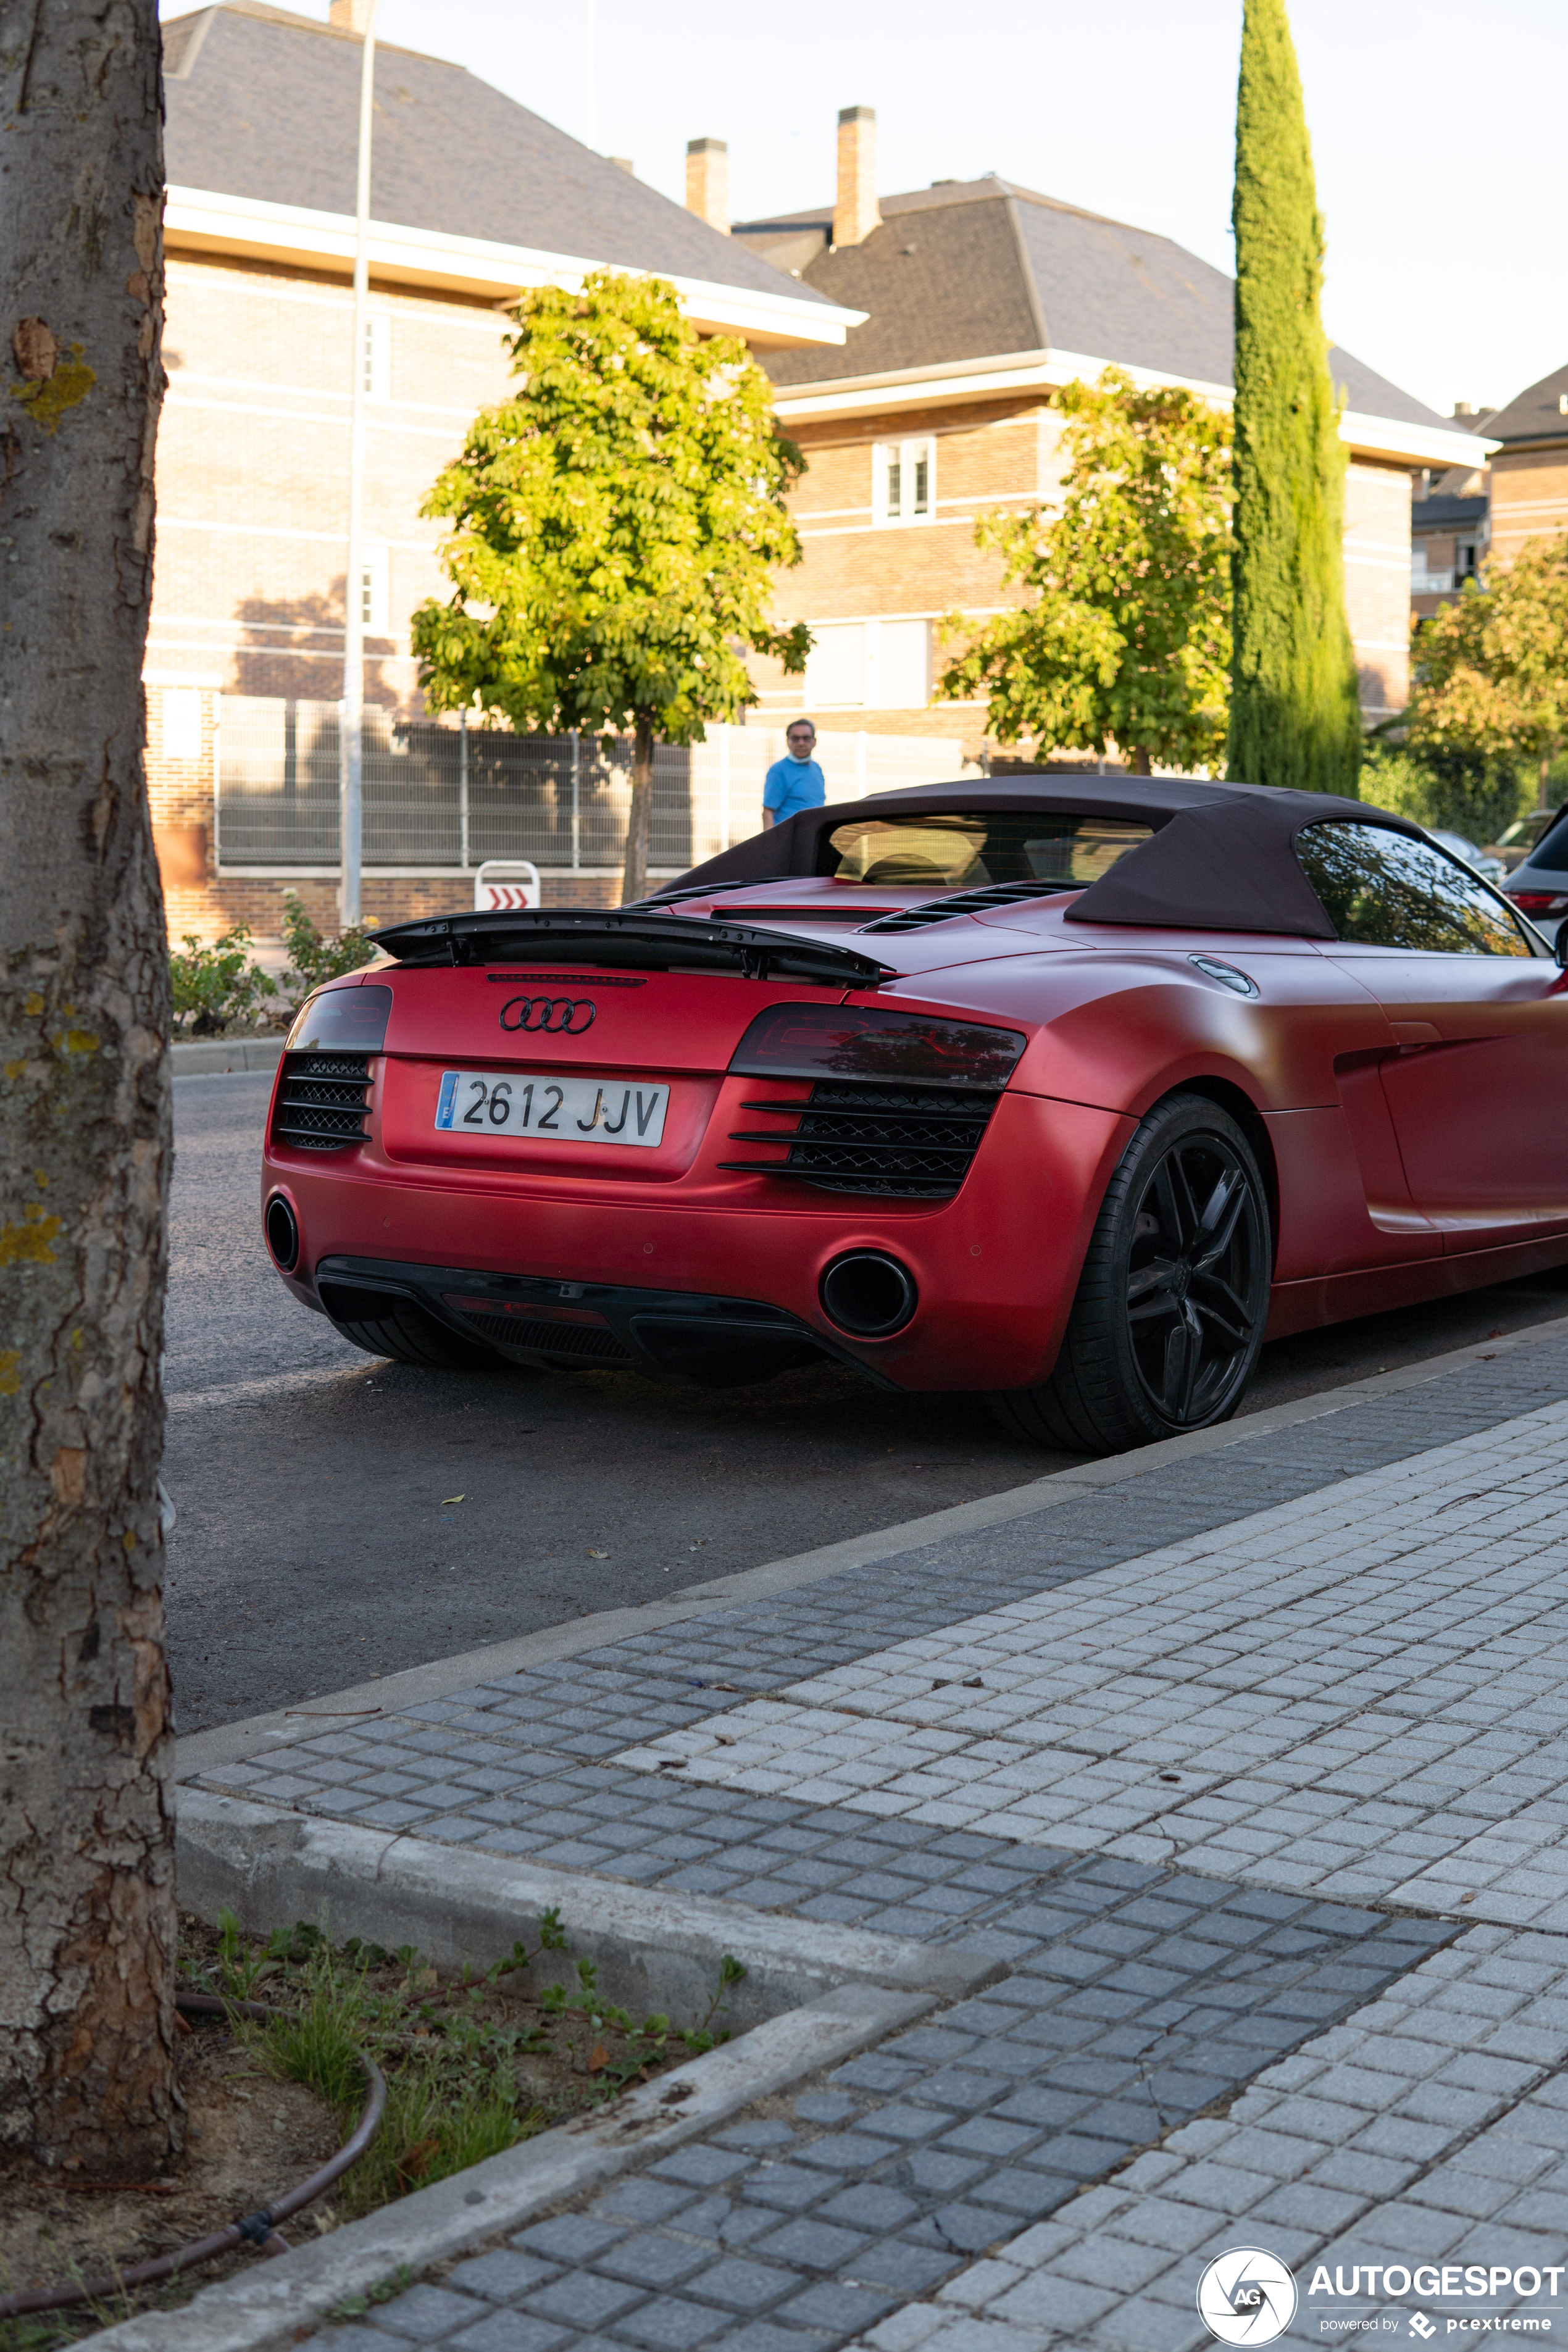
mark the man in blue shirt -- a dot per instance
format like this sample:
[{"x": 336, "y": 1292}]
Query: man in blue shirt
[{"x": 795, "y": 783}]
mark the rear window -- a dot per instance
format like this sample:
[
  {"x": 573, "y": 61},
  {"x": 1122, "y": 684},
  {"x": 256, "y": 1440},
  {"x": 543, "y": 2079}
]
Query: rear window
[
  {"x": 964, "y": 852},
  {"x": 1551, "y": 851}
]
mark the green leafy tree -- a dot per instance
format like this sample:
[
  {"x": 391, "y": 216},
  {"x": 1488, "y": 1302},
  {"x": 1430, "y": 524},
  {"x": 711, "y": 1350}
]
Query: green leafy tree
[
  {"x": 1125, "y": 637},
  {"x": 1294, "y": 716},
  {"x": 616, "y": 522},
  {"x": 1491, "y": 669}
]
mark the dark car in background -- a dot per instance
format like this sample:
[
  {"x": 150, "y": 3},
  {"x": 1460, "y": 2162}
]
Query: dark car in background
[{"x": 1538, "y": 886}]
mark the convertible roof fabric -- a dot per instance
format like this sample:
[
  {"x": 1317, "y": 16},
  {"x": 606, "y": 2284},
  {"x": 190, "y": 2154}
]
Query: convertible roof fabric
[{"x": 1221, "y": 857}]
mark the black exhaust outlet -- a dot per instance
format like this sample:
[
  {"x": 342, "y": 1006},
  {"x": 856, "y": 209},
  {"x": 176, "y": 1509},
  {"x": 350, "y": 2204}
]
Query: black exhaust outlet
[
  {"x": 869, "y": 1294},
  {"x": 282, "y": 1233}
]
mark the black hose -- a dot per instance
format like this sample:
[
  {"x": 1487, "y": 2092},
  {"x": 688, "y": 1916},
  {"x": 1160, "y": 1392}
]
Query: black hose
[{"x": 259, "y": 2228}]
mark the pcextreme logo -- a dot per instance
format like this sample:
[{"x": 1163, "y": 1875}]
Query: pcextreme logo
[{"x": 1246, "y": 2296}]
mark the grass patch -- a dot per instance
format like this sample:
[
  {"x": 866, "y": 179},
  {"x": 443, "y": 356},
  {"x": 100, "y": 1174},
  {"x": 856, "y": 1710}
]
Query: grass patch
[{"x": 474, "y": 2063}]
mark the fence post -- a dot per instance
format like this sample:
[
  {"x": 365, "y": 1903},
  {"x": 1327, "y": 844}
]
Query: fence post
[
  {"x": 463, "y": 782},
  {"x": 576, "y": 800},
  {"x": 724, "y": 785},
  {"x": 217, "y": 782}
]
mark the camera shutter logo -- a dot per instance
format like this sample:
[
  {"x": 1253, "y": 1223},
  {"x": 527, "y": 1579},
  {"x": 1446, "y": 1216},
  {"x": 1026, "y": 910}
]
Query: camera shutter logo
[
  {"x": 1246, "y": 2296},
  {"x": 561, "y": 1016}
]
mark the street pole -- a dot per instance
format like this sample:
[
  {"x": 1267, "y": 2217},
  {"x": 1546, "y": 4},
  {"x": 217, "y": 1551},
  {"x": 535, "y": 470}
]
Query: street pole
[{"x": 351, "y": 719}]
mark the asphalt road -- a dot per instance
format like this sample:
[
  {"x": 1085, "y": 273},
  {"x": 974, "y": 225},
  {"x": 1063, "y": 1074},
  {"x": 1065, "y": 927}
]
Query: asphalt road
[{"x": 341, "y": 1517}]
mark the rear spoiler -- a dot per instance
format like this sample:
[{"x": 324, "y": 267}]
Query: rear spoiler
[{"x": 633, "y": 940}]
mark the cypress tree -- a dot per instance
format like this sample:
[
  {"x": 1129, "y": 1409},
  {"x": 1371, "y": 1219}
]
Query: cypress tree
[{"x": 1294, "y": 716}]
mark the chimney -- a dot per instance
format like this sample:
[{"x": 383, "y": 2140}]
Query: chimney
[
  {"x": 855, "y": 214},
  {"x": 349, "y": 16},
  {"x": 708, "y": 182}
]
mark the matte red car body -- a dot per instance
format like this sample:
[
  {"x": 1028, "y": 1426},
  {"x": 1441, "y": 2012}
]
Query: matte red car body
[{"x": 1410, "y": 1147}]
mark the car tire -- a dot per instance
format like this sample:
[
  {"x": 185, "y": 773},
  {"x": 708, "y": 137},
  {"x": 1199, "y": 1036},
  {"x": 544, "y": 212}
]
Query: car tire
[
  {"x": 1171, "y": 1306},
  {"x": 409, "y": 1336}
]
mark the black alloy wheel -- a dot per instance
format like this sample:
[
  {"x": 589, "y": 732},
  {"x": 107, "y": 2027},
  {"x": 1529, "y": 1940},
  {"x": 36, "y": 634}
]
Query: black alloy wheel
[{"x": 1169, "y": 1315}]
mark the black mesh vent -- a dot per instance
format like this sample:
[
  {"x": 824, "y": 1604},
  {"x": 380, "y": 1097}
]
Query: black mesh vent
[
  {"x": 322, "y": 1101},
  {"x": 586, "y": 1343},
  {"x": 855, "y": 1136},
  {"x": 967, "y": 902}
]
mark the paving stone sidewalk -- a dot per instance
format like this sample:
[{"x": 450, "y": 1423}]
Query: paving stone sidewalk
[{"x": 1232, "y": 1755}]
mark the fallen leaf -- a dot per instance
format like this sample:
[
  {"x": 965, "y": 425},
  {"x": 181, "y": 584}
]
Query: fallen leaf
[
  {"x": 724, "y": 1739},
  {"x": 452, "y": 1499},
  {"x": 598, "y": 2056},
  {"x": 599, "y": 1555},
  {"x": 1467, "y": 1898},
  {"x": 975, "y": 1684},
  {"x": 416, "y": 2159}
]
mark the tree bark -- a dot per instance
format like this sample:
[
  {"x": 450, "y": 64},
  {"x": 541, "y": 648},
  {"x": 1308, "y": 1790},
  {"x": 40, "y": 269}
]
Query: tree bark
[
  {"x": 633, "y": 876},
  {"x": 87, "y": 1899}
]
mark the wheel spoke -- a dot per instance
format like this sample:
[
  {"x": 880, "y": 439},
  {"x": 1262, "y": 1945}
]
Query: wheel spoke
[
  {"x": 1220, "y": 1219},
  {"x": 1146, "y": 1279},
  {"x": 1183, "y": 1353},
  {"x": 1177, "y": 1219},
  {"x": 1236, "y": 1333},
  {"x": 1214, "y": 1295}
]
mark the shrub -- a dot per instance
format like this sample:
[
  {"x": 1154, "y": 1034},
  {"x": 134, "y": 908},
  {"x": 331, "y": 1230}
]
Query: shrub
[
  {"x": 313, "y": 957},
  {"x": 1477, "y": 793},
  {"x": 215, "y": 985}
]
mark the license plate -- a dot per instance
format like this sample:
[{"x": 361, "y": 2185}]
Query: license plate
[{"x": 484, "y": 1104}]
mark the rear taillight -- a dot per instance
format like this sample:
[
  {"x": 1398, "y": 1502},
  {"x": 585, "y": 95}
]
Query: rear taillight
[
  {"x": 352, "y": 1018},
  {"x": 1539, "y": 902},
  {"x": 848, "y": 1041}
]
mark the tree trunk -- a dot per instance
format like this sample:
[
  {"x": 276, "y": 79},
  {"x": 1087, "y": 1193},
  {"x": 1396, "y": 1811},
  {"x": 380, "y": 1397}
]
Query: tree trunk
[
  {"x": 87, "y": 1911},
  {"x": 633, "y": 878}
]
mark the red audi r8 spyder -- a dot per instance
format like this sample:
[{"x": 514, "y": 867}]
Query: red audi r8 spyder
[{"x": 1067, "y": 1089}]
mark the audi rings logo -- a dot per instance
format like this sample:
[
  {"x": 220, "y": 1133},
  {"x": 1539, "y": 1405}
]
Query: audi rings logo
[{"x": 563, "y": 1016}]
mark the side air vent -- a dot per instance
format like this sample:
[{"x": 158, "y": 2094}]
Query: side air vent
[
  {"x": 322, "y": 1101},
  {"x": 910, "y": 1143},
  {"x": 967, "y": 902}
]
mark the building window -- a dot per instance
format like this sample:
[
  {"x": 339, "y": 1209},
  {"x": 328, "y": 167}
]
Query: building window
[
  {"x": 901, "y": 662},
  {"x": 377, "y": 358},
  {"x": 836, "y": 666},
  {"x": 1465, "y": 566},
  {"x": 870, "y": 666},
  {"x": 904, "y": 481},
  {"x": 182, "y": 723},
  {"x": 373, "y": 598}
]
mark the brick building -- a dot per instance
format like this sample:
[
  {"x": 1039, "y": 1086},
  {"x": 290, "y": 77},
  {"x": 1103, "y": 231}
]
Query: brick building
[
  {"x": 981, "y": 299},
  {"x": 473, "y": 198},
  {"x": 1530, "y": 466}
]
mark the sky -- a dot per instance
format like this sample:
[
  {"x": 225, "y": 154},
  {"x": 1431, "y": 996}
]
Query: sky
[{"x": 1436, "y": 129}]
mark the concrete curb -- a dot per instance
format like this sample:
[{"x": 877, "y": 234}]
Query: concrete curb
[
  {"x": 278, "y": 2304},
  {"x": 232, "y": 1743},
  {"x": 199, "y": 1061},
  {"x": 653, "y": 1950}
]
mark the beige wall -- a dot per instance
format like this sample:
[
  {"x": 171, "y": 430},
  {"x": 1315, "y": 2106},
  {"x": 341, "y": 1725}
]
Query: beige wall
[
  {"x": 1377, "y": 583},
  {"x": 916, "y": 573},
  {"x": 1529, "y": 497},
  {"x": 1006, "y": 453},
  {"x": 253, "y": 462}
]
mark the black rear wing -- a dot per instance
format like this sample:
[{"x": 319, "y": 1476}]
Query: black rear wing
[{"x": 633, "y": 940}]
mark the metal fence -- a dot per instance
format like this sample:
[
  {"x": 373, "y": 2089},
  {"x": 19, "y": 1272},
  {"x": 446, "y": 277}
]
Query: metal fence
[{"x": 441, "y": 796}]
